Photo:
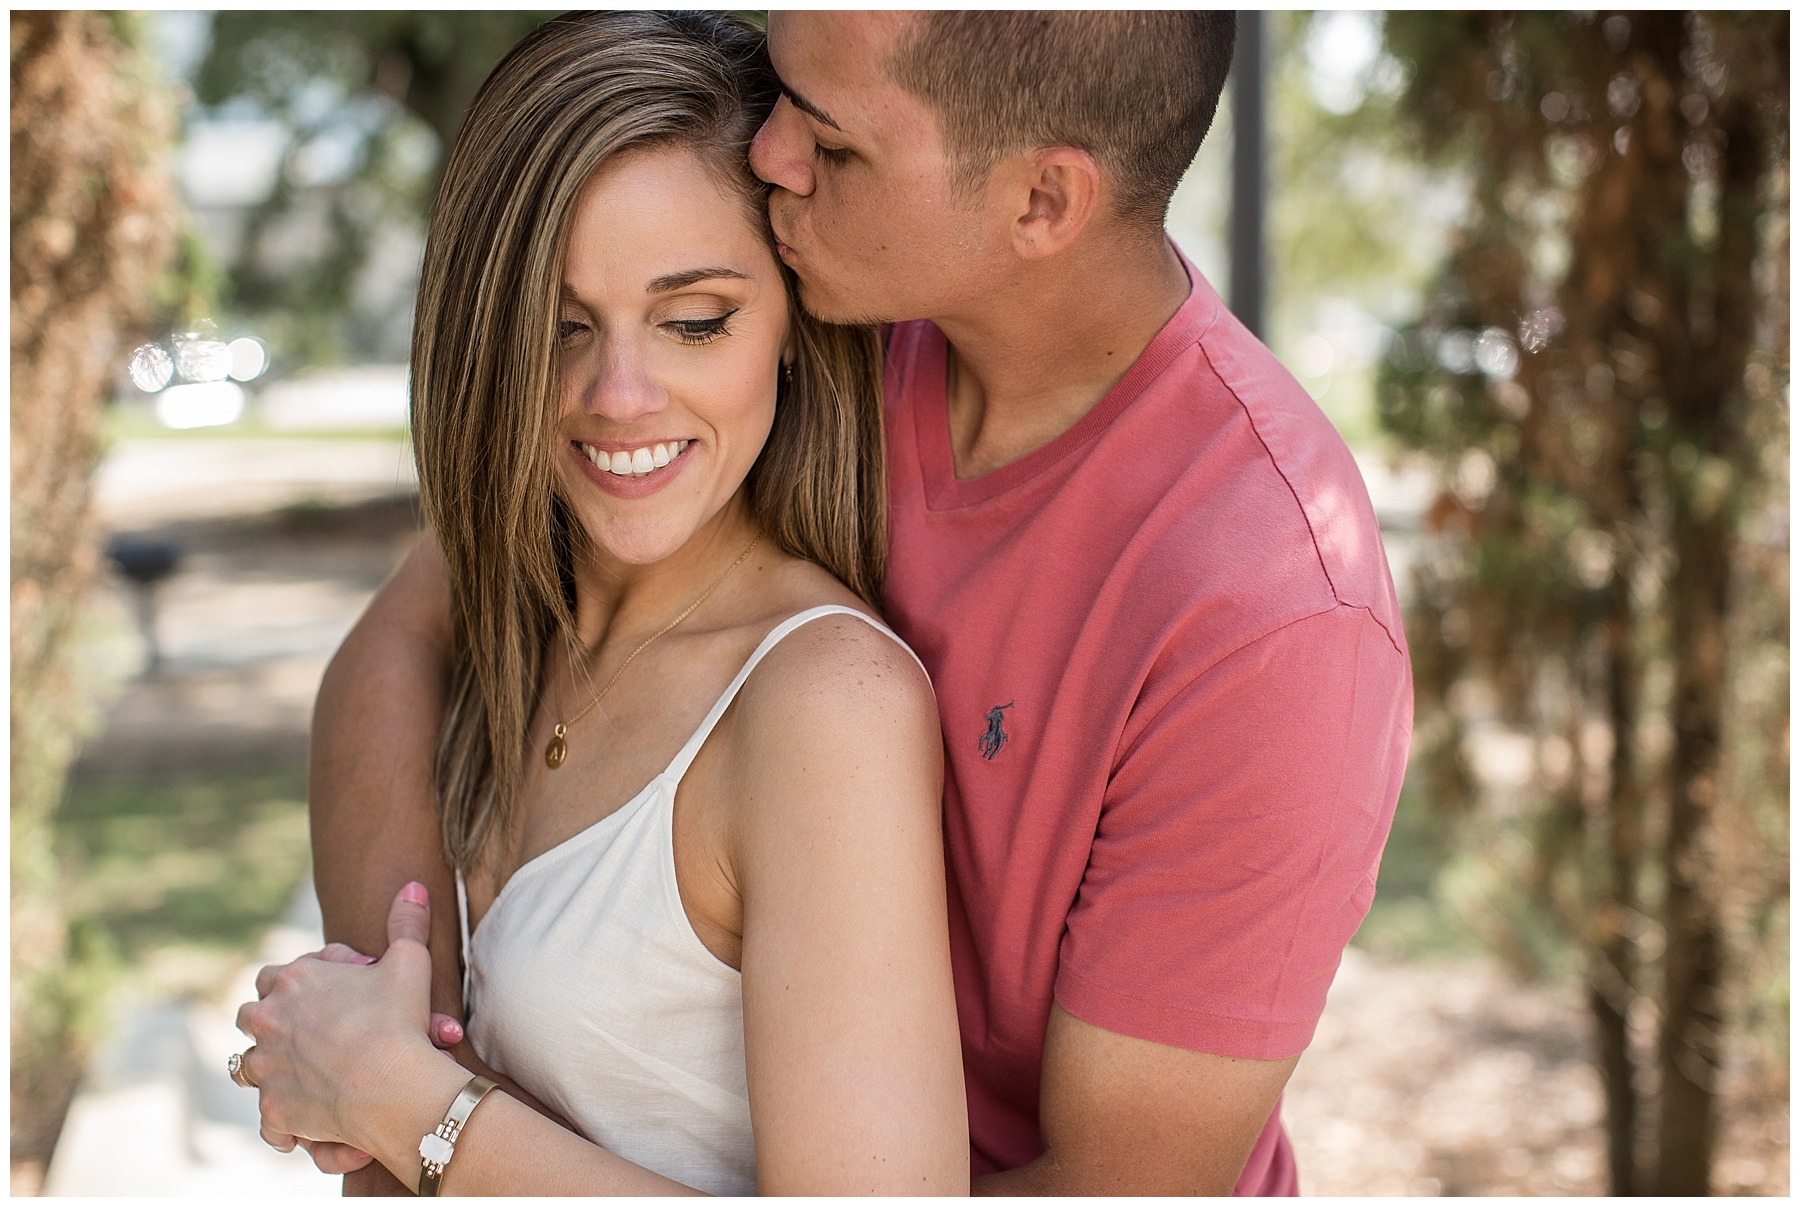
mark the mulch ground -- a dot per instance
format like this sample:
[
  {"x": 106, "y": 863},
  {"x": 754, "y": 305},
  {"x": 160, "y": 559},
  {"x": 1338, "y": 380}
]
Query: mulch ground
[{"x": 1450, "y": 1077}]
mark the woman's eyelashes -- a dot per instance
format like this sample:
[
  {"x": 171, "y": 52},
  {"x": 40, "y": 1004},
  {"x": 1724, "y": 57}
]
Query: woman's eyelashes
[
  {"x": 688, "y": 331},
  {"x": 834, "y": 156},
  {"x": 701, "y": 331}
]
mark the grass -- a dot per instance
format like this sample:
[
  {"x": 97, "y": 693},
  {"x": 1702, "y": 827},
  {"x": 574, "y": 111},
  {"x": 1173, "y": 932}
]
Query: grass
[
  {"x": 179, "y": 876},
  {"x": 137, "y": 421}
]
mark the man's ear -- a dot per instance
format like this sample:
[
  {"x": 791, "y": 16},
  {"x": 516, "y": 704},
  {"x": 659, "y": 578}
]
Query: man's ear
[{"x": 1062, "y": 186}]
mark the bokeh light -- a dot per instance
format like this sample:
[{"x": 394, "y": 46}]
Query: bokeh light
[
  {"x": 200, "y": 404},
  {"x": 151, "y": 368},
  {"x": 200, "y": 357},
  {"x": 248, "y": 358}
]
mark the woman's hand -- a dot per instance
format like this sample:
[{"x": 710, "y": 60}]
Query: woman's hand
[
  {"x": 336, "y": 1033},
  {"x": 335, "y": 1159}
]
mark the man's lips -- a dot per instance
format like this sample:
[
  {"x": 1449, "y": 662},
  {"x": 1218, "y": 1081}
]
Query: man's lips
[{"x": 776, "y": 222}]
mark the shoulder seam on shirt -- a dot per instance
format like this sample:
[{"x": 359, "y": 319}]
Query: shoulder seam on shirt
[
  {"x": 1250, "y": 416},
  {"x": 1313, "y": 536},
  {"x": 1336, "y": 605}
]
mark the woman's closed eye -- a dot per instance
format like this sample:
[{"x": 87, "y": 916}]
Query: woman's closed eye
[
  {"x": 688, "y": 331},
  {"x": 701, "y": 331},
  {"x": 834, "y": 156}
]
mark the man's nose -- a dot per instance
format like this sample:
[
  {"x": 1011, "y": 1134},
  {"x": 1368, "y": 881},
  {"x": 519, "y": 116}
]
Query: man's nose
[{"x": 781, "y": 152}]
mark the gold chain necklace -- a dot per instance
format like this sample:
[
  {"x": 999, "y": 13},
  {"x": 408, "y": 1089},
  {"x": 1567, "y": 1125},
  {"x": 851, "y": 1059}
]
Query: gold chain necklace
[{"x": 558, "y": 749}]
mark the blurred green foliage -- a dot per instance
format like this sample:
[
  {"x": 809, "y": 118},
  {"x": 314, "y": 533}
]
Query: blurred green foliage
[
  {"x": 1358, "y": 223},
  {"x": 370, "y": 102},
  {"x": 178, "y": 876}
]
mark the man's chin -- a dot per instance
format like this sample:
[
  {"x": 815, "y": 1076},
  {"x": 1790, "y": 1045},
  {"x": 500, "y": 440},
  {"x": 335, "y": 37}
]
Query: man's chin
[{"x": 829, "y": 307}]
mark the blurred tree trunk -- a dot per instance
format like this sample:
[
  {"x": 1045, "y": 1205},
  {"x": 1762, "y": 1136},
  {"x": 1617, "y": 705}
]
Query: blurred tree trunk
[
  {"x": 1614, "y": 970},
  {"x": 1620, "y": 230},
  {"x": 1706, "y": 344},
  {"x": 92, "y": 210}
]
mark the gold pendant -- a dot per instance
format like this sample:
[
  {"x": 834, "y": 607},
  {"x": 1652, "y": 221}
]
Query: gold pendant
[{"x": 557, "y": 750}]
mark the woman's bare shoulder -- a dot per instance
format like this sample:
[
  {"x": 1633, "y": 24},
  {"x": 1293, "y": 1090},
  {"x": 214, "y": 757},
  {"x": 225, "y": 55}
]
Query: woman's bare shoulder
[
  {"x": 839, "y": 670},
  {"x": 835, "y": 661}
]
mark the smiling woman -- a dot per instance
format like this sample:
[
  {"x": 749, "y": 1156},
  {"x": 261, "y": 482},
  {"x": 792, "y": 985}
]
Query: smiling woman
[
  {"x": 674, "y": 322},
  {"x": 707, "y": 927},
  {"x": 506, "y": 323}
]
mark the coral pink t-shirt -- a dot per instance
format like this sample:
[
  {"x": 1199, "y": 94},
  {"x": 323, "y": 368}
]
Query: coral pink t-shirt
[{"x": 1176, "y": 705}]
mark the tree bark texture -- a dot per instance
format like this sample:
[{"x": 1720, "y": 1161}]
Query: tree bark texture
[
  {"x": 1707, "y": 343},
  {"x": 1612, "y": 985},
  {"x": 92, "y": 226}
]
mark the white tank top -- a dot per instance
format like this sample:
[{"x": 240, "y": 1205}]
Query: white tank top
[{"x": 586, "y": 984}]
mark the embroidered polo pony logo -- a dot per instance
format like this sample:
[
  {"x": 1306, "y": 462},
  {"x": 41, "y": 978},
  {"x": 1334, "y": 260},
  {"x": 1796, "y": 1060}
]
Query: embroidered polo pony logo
[{"x": 995, "y": 737}]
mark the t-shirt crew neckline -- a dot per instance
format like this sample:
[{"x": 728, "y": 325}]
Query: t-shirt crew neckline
[{"x": 944, "y": 491}]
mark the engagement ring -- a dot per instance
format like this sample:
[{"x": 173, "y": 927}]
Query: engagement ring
[{"x": 234, "y": 1064}]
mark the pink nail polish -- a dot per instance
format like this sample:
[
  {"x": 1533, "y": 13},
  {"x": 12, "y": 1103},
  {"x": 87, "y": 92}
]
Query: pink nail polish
[{"x": 415, "y": 893}]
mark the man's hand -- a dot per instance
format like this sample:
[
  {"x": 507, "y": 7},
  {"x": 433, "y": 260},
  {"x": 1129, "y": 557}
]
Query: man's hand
[{"x": 1127, "y": 1116}]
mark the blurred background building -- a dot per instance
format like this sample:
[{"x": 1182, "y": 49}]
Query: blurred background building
[{"x": 1534, "y": 266}]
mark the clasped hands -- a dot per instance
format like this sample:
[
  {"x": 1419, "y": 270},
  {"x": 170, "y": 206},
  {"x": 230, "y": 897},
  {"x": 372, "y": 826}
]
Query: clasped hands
[{"x": 333, "y": 1027}]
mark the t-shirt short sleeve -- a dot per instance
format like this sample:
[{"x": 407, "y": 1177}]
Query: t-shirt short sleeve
[{"x": 1238, "y": 843}]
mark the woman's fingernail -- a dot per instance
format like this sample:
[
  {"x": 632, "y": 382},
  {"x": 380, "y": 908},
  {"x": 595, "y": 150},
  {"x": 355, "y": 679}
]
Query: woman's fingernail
[
  {"x": 451, "y": 1032},
  {"x": 415, "y": 893}
]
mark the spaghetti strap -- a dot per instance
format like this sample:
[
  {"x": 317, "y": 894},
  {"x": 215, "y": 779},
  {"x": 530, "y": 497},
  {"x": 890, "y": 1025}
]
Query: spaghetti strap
[{"x": 686, "y": 755}]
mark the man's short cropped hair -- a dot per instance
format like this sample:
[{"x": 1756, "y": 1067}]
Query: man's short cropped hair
[{"x": 1136, "y": 90}]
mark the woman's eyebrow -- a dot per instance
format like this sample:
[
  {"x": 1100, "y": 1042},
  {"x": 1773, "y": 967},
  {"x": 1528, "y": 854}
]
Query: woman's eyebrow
[{"x": 681, "y": 280}]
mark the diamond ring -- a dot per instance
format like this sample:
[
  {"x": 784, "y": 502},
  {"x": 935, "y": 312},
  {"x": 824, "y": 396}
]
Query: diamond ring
[{"x": 234, "y": 1064}]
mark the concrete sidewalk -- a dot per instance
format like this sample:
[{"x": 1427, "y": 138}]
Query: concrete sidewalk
[{"x": 158, "y": 1114}]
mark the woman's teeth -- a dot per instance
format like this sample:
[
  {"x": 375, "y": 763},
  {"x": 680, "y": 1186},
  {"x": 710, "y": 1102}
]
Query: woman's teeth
[{"x": 637, "y": 462}]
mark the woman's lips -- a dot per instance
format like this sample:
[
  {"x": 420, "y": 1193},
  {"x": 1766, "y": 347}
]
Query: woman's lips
[{"x": 634, "y": 471}]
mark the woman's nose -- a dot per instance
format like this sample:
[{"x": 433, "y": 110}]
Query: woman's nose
[
  {"x": 625, "y": 386},
  {"x": 781, "y": 152}
]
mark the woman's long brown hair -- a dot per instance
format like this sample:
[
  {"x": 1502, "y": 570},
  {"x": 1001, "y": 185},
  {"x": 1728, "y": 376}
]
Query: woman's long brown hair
[{"x": 574, "y": 93}]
